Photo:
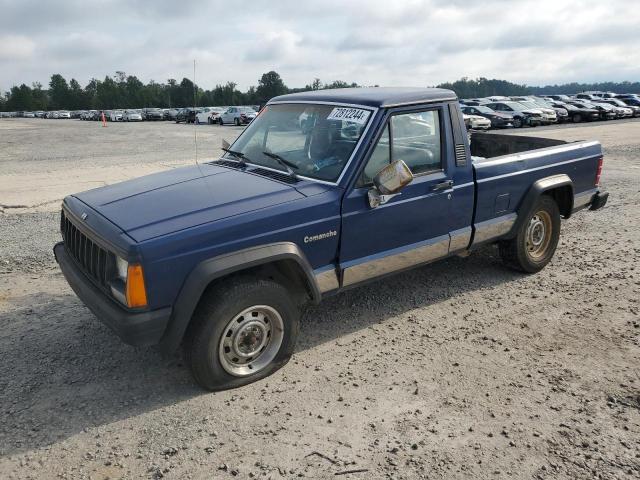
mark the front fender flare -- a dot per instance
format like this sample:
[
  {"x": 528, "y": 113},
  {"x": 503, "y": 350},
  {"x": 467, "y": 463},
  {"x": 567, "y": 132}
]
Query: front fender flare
[{"x": 211, "y": 269}]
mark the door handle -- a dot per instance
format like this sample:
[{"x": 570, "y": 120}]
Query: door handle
[{"x": 443, "y": 186}]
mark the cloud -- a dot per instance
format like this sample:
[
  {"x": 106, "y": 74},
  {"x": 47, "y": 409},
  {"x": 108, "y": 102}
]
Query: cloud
[
  {"x": 16, "y": 47},
  {"x": 406, "y": 42}
]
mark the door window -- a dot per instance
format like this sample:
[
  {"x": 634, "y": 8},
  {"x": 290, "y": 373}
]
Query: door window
[{"x": 414, "y": 138}]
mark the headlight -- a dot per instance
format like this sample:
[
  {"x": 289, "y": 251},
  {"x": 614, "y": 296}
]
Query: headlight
[
  {"x": 122, "y": 267},
  {"x": 129, "y": 287}
]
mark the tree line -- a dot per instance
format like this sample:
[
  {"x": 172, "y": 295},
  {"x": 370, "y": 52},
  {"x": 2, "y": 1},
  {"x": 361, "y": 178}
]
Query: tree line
[
  {"x": 484, "y": 87},
  {"x": 127, "y": 91}
]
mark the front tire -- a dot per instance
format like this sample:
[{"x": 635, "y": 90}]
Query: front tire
[
  {"x": 242, "y": 331},
  {"x": 517, "y": 122},
  {"x": 537, "y": 238}
]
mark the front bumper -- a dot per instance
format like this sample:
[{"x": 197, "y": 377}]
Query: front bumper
[{"x": 134, "y": 328}]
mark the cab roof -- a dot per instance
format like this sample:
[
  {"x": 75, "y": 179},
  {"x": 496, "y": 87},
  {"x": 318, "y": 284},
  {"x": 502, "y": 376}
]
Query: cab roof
[{"x": 379, "y": 97}]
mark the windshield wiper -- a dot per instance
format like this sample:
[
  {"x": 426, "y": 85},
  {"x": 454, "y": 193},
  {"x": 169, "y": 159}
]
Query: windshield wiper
[
  {"x": 242, "y": 159},
  {"x": 288, "y": 166}
]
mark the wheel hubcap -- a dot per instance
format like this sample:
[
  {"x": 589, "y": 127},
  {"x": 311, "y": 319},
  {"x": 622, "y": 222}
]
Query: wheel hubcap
[
  {"x": 251, "y": 340},
  {"x": 538, "y": 235}
]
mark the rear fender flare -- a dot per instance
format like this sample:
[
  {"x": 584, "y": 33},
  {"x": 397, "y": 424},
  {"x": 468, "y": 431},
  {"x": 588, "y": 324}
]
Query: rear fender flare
[
  {"x": 530, "y": 199},
  {"x": 217, "y": 267}
]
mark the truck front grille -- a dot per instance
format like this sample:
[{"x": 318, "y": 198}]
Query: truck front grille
[{"x": 91, "y": 258}]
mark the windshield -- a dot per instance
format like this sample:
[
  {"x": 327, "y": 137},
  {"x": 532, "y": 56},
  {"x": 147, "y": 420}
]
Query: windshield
[
  {"x": 530, "y": 105},
  {"x": 482, "y": 109},
  {"x": 316, "y": 140},
  {"x": 515, "y": 106}
]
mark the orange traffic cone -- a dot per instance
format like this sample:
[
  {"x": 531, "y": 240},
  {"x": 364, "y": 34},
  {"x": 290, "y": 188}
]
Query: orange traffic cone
[{"x": 104, "y": 120}]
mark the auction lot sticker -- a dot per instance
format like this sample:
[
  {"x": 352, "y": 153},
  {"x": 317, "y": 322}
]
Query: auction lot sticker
[{"x": 355, "y": 115}]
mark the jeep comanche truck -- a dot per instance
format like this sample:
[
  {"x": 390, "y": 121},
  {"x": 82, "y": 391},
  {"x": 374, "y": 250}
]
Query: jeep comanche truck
[{"x": 322, "y": 192}]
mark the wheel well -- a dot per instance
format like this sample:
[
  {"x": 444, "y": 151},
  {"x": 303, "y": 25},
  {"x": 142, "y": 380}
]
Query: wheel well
[
  {"x": 287, "y": 272},
  {"x": 563, "y": 196}
]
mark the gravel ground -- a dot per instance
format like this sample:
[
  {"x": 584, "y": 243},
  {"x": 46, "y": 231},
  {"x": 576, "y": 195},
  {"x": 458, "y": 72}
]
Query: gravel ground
[{"x": 462, "y": 369}]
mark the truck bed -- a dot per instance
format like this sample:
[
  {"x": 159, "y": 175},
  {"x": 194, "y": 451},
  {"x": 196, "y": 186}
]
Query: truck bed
[
  {"x": 490, "y": 145},
  {"x": 506, "y": 166}
]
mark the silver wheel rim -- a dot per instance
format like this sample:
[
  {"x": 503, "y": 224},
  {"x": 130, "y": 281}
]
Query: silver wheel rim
[
  {"x": 251, "y": 340},
  {"x": 538, "y": 235}
]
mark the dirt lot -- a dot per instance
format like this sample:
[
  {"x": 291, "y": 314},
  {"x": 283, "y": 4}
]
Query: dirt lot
[{"x": 462, "y": 369}]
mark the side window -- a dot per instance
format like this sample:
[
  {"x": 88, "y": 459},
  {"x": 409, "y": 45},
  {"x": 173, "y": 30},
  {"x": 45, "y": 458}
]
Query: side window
[
  {"x": 416, "y": 140},
  {"x": 411, "y": 137},
  {"x": 380, "y": 158}
]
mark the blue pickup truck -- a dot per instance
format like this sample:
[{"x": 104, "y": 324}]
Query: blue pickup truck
[{"x": 322, "y": 192}]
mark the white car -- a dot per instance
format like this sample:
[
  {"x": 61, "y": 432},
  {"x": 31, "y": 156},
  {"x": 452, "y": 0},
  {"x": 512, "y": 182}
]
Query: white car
[
  {"x": 549, "y": 115},
  {"x": 63, "y": 114},
  {"x": 476, "y": 122},
  {"x": 116, "y": 115},
  {"x": 132, "y": 116},
  {"x": 29, "y": 115},
  {"x": 208, "y": 115}
]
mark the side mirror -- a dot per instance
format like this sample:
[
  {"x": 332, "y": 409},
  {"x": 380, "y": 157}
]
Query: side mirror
[
  {"x": 388, "y": 182},
  {"x": 225, "y": 144}
]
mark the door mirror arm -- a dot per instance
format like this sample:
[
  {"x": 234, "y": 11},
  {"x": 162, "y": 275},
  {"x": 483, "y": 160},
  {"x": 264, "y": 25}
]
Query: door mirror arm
[{"x": 388, "y": 182}]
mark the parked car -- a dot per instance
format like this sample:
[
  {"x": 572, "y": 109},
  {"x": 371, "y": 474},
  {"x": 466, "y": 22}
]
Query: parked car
[
  {"x": 631, "y": 101},
  {"x": 605, "y": 111},
  {"x": 561, "y": 98},
  {"x": 626, "y": 110},
  {"x": 521, "y": 115},
  {"x": 497, "y": 119},
  {"x": 548, "y": 114},
  {"x": 64, "y": 114},
  {"x": 237, "y": 115},
  {"x": 625, "y": 96},
  {"x": 186, "y": 115},
  {"x": 561, "y": 113},
  {"x": 209, "y": 115},
  {"x": 173, "y": 113},
  {"x": 152, "y": 114},
  {"x": 131, "y": 116},
  {"x": 586, "y": 96},
  {"x": 116, "y": 115},
  {"x": 269, "y": 234},
  {"x": 578, "y": 113},
  {"x": 476, "y": 122},
  {"x": 29, "y": 115}
]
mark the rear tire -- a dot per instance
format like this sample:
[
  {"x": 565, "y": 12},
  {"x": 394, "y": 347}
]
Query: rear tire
[
  {"x": 242, "y": 331},
  {"x": 537, "y": 238},
  {"x": 517, "y": 122}
]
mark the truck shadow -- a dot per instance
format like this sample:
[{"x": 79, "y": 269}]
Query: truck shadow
[{"x": 63, "y": 372}]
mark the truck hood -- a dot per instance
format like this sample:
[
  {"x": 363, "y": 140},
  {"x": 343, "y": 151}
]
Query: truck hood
[{"x": 166, "y": 202}]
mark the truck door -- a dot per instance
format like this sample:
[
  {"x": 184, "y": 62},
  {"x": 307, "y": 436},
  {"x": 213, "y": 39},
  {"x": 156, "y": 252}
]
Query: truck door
[{"x": 413, "y": 226}]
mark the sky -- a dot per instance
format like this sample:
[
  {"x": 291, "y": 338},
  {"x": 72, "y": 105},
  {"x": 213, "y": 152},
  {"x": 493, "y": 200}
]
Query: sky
[{"x": 371, "y": 42}]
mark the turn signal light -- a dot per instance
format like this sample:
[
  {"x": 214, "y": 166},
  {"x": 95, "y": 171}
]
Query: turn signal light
[
  {"x": 136, "y": 293},
  {"x": 599, "y": 171}
]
